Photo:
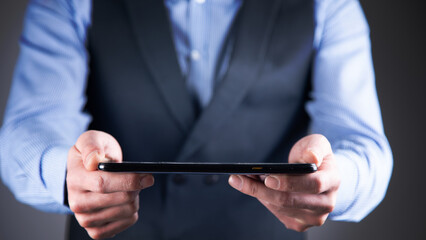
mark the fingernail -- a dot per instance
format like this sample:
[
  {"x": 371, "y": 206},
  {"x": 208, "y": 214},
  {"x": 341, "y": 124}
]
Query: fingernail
[
  {"x": 236, "y": 182},
  {"x": 272, "y": 182},
  {"x": 147, "y": 181},
  {"x": 91, "y": 155},
  {"x": 316, "y": 156}
]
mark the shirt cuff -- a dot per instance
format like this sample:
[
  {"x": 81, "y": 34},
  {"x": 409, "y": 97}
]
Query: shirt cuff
[
  {"x": 346, "y": 194},
  {"x": 53, "y": 171}
]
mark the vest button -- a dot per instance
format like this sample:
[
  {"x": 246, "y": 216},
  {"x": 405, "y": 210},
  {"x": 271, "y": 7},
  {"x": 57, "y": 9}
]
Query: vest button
[
  {"x": 211, "y": 179},
  {"x": 195, "y": 55},
  {"x": 179, "y": 179}
]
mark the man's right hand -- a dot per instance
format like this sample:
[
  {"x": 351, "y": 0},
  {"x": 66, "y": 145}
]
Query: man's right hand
[{"x": 104, "y": 203}]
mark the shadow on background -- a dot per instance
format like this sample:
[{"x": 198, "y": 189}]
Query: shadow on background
[{"x": 398, "y": 31}]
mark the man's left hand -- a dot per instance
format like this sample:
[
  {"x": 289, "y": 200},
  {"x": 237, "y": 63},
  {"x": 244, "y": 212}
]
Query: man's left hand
[{"x": 298, "y": 201}]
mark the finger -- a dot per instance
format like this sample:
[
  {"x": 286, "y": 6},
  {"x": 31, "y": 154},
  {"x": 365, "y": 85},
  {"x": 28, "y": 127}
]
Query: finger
[
  {"x": 106, "y": 182},
  {"x": 95, "y": 147},
  {"x": 254, "y": 177},
  {"x": 315, "y": 202},
  {"x": 112, "y": 214},
  {"x": 290, "y": 222},
  {"x": 312, "y": 183},
  {"x": 74, "y": 159},
  {"x": 310, "y": 149},
  {"x": 303, "y": 216},
  {"x": 321, "y": 181},
  {"x": 111, "y": 229},
  {"x": 89, "y": 202}
]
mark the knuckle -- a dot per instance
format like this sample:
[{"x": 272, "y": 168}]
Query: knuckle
[
  {"x": 130, "y": 183},
  {"x": 318, "y": 184},
  {"x": 134, "y": 206},
  {"x": 84, "y": 222},
  {"x": 253, "y": 190},
  {"x": 286, "y": 200},
  {"x": 328, "y": 208},
  {"x": 290, "y": 186},
  {"x": 134, "y": 218},
  {"x": 71, "y": 180},
  {"x": 320, "y": 221},
  {"x": 95, "y": 233},
  {"x": 286, "y": 184},
  {"x": 301, "y": 228},
  {"x": 68, "y": 178},
  {"x": 75, "y": 206},
  {"x": 336, "y": 182},
  {"x": 98, "y": 233},
  {"x": 127, "y": 197},
  {"x": 100, "y": 184}
]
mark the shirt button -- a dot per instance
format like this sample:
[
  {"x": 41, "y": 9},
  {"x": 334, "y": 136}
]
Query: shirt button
[
  {"x": 211, "y": 179},
  {"x": 179, "y": 179},
  {"x": 200, "y": 1},
  {"x": 195, "y": 55}
]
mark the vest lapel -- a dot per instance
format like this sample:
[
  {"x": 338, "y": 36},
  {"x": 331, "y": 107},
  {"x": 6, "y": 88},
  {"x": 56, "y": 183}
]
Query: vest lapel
[
  {"x": 151, "y": 26},
  {"x": 255, "y": 22}
]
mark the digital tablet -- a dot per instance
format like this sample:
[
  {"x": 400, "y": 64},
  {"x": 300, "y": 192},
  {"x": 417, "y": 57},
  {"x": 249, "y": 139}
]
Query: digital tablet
[{"x": 208, "y": 168}]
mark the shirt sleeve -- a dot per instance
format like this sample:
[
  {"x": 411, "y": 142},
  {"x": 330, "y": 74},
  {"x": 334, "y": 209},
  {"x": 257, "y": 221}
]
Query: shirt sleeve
[
  {"x": 345, "y": 108},
  {"x": 44, "y": 116}
]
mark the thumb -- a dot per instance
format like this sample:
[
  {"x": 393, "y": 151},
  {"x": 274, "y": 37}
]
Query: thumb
[
  {"x": 310, "y": 149},
  {"x": 96, "y": 147}
]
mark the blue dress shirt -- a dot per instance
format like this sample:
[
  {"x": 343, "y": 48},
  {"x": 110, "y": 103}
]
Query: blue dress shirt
[{"x": 44, "y": 114}]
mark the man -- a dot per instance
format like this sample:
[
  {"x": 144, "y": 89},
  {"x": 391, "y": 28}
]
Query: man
[{"x": 209, "y": 81}]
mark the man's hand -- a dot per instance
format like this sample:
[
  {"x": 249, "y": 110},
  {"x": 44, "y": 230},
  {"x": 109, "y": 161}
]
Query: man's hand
[
  {"x": 298, "y": 201},
  {"x": 104, "y": 203}
]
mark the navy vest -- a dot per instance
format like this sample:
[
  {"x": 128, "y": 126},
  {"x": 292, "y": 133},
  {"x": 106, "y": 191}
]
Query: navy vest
[{"x": 136, "y": 92}]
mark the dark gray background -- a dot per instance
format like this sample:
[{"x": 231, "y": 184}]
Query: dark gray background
[{"x": 399, "y": 46}]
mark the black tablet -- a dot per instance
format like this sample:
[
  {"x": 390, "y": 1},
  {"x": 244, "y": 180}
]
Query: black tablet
[{"x": 208, "y": 168}]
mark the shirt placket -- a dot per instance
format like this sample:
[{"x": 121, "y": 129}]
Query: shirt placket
[{"x": 199, "y": 79}]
